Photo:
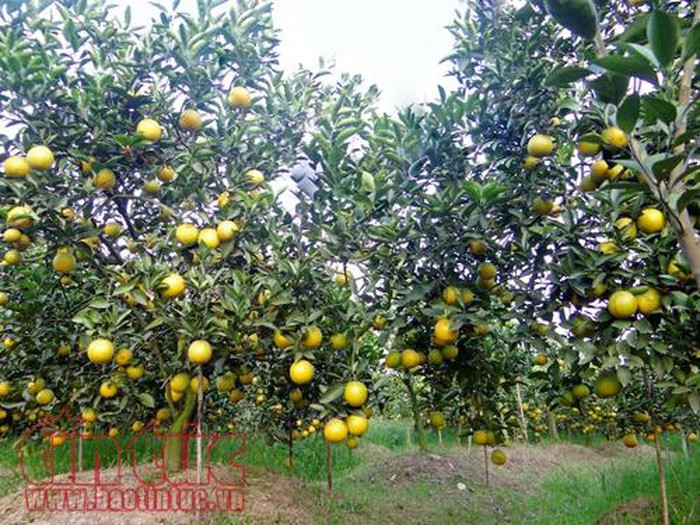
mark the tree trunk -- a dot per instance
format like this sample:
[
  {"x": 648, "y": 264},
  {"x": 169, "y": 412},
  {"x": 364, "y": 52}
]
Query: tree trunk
[
  {"x": 174, "y": 444},
  {"x": 552, "y": 426},
  {"x": 486, "y": 465},
  {"x": 662, "y": 479},
  {"x": 523, "y": 421},
  {"x": 200, "y": 399},
  {"x": 417, "y": 419}
]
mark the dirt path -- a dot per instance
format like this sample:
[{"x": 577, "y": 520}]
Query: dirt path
[{"x": 440, "y": 487}]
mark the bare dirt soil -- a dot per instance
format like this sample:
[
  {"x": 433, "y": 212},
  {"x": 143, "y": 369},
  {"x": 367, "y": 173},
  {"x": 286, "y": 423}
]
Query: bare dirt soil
[{"x": 397, "y": 487}]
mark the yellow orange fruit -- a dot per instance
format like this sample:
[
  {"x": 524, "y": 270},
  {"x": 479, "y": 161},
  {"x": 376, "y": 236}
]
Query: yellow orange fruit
[
  {"x": 301, "y": 372},
  {"x": 313, "y": 337},
  {"x": 239, "y": 97},
  {"x": 443, "y": 331},
  {"x": 40, "y": 158},
  {"x": 5, "y": 388},
  {"x": 530, "y": 162},
  {"x": 607, "y": 385},
  {"x": 649, "y": 301},
  {"x": 335, "y": 431},
  {"x": 16, "y": 167},
  {"x": 11, "y": 235},
  {"x": 112, "y": 229},
  {"x": 190, "y": 120},
  {"x": 450, "y": 352},
  {"x": 173, "y": 286},
  {"x": 498, "y": 457},
  {"x": 540, "y": 146},
  {"x": 626, "y": 227},
  {"x": 481, "y": 437},
  {"x": 580, "y": 392},
  {"x": 588, "y": 184},
  {"x": 487, "y": 271},
  {"x": 622, "y": 304},
  {"x": 450, "y": 295},
  {"x": 100, "y": 351},
  {"x": 44, "y": 396},
  {"x": 187, "y": 234},
  {"x": 149, "y": 129},
  {"x": 651, "y": 220},
  {"x": 108, "y": 389},
  {"x": 393, "y": 360},
  {"x": 599, "y": 171},
  {"x": 180, "y": 382},
  {"x": 254, "y": 177},
  {"x": 339, "y": 341},
  {"x": 135, "y": 371},
  {"x": 281, "y": 341},
  {"x": 64, "y": 262},
  {"x": 209, "y": 238},
  {"x": 630, "y": 441},
  {"x": 104, "y": 179},
  {"x": 355, "y": 393},
  {"x": 357, "y": 425},
  {"x": 123, "y": 356},
  {"x": 588, "y": 149},
  {"x": 608, "y": 247},
  {"x": 615, "y": 137},
  {"x": 165, "y": 174},
  {"x": 199, "y": 352},
  {"x": 477, "y": 247},
  {"x": 20, "y": 217},
  {"x": 89, "y": 415},
  {"x": 227, "y": 230},
  {"x": 410, "y": 359}
]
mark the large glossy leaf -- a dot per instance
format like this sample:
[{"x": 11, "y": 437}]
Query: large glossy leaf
[
  {"x": 662, "y": 33},
  {"x": 631, "y": 66},
  {"x": 628, "y": 113}
]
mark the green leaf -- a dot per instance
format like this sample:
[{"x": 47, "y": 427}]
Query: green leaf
[
  {"x": 473, "y": 189},
  {"x": 662, "y": 33},
  {"x": 147, "y": 400},
  {"x": 663, "y": 165},
  {"x": 636, "y": 31},
  {"x": 628, "y": 113},
  {"x": 687, "y": 198},
  {"x": 631, "y": 66},
  {"x": 333, "y": 393},
  {"x": 610, "y": 88},
  {"x": 694, "y": 401},
  {"x": 692, "y": 42},
  {"x": 656, "y": 108},
  {"x": 624, "y": 375},
  {"x": 99, "y": 304},
  {"x": 367, "y": 182},
  {"x": 563, "y": 76}
]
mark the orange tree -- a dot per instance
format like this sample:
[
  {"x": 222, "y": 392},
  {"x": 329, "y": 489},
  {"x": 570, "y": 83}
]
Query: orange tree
[
  {"x": 144, "y": 249},
  {"x": 602, "y": 118},
  {"x": 445, "y": 238},
  {"x": 643, "y": 203}
]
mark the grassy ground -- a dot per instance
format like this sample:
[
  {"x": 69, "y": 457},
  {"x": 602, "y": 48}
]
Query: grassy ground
[{"x": 549, "y": 483}]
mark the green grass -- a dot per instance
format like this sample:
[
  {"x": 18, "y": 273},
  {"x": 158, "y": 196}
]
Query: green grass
[
  {"x": 582, "y": 495},
  {"x": 572, "y": 494}
]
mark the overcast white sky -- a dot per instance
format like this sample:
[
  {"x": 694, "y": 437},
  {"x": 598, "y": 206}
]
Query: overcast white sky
[{"x": 396, "y": 44}]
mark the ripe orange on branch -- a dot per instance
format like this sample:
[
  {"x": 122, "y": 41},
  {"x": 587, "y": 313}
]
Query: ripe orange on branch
[{"x": 199, "y": 352}]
